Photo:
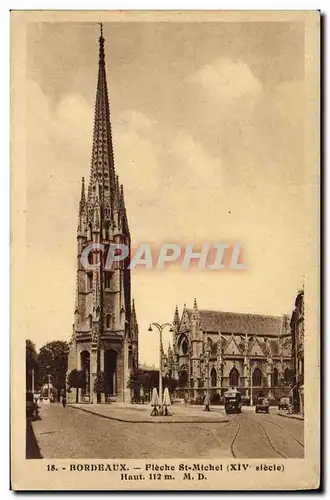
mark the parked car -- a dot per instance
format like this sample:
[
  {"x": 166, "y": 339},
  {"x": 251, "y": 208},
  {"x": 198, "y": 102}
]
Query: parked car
[
  {"x": 284, "y": 404},
  {"x": 262, "y": 405},
  {"x": 32, "y": 408}
]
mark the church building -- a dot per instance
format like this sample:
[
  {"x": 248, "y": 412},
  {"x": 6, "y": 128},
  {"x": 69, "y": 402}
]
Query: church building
[
  {"x": 104, "y": 342},
  {"x": 215, "y": 351}
]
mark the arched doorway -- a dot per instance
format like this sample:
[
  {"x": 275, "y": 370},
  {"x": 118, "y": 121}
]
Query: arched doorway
[
  {"x": 182, "y": 383},
  {"x": 213, "y": 377},
  {"x": 257, "y": 378},
  {"x": 85, "y": 366},
  {"x": 183, "y": 379},
  {"x": 286, "y": 376},
  {"x": 110, "y": 368},
  {"x": 233, "y": 377}
]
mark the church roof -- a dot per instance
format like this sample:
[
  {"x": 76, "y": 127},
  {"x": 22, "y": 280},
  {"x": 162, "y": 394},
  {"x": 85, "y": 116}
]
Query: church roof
[{"x": 240, "y": 323}]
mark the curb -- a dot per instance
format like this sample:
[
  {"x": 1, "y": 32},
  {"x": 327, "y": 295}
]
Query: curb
[
  {"x": 117, "y": 419},
  {"x": 295, "y": 417}
]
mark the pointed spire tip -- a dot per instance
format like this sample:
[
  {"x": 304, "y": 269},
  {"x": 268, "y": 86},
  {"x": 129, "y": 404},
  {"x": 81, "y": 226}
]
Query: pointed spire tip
[{"x": 101, "y": 30}]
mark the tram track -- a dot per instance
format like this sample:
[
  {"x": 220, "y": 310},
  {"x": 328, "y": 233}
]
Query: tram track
[
  {"x": 250, "y": 423},
  {"x": 235, "y": 437},
  {"x": 286, "y": 430}
]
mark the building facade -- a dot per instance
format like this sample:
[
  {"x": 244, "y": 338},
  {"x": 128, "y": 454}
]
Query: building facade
[
  {"x": 104, "y": 342},
  {"x": 298, "y": 332},
  {"x": 215, "y": 350}
]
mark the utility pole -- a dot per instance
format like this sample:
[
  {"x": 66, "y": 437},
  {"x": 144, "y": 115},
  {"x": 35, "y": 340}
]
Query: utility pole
[{"x": 251, "y": 387}]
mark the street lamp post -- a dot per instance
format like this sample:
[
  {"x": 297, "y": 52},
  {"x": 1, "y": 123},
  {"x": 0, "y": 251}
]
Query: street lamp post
[{"x": 160, "y": 329}]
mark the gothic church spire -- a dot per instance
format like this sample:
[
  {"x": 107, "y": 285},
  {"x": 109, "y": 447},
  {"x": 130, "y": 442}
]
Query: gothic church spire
[{"x": 102, "y": 168}]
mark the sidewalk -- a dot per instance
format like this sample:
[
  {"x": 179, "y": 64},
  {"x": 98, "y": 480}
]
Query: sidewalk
[
  {"x": 139, "y": 413},
  {"x": 296, "y": 416}
]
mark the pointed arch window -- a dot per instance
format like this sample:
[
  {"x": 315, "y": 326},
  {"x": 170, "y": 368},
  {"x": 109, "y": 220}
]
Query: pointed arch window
[
  {"x": 257, "y": 378},
  {"x": 286, "y": 376},
  {"x": 106, "y": 230},
  {"x": 184, "y": 346},
  {"x": 122, "y": 316},
  {"x": 213, "y": 377},
  {"x": 233, "y": 377},
  {"x": 107, "y": 279},
  {"x": 89, "y": 282},
  {"x": 90, "y": 321},
  {"x": 89, "y": 236}
]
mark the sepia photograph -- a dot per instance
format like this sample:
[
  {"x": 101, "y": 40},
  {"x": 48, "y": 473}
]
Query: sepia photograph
[{"x": 165, "y": 186}]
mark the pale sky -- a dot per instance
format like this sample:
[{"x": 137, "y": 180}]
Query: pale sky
[{"x": 208, "y": 130}]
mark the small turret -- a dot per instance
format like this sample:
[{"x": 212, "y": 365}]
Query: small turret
[
  {"x": 176, "y": 320},
  {"x": 195, "y": 319},
  {"x": 134, "y": 323},
  {"x": 82, "y": 203}
]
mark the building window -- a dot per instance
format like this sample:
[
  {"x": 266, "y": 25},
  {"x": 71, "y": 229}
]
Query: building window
[
  {"x": 233, "y": 377},
  {"x": 256, "y": 378},
  {"x": 130, "y": 357},
  {"x": 107, "y": 229},
  {"x": 90, "y": 321},
  {"x": 184, "y": 347},
  {"x": 275, "y": 377},
  {"x": 213, "y": 377},
  {"x": 108, "y": 321},
  {"x": 89, "y": 281},
  {"x": 183, "y": 379},
  {"x": 107, "y": 279},
  {"x": 286, "y": 376}
]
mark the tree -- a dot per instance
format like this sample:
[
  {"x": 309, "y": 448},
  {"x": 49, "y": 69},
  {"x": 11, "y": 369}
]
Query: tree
[
  {"x": 171, "y": 383},
  {"x": 77, "y": 380},
  {"x": 31, "y": 363},
  {"x": 149, "y": 379},
  {"x": 100, "y": 384},
  {"x": 53, "y": 361},
  {"x": 136, "y": 379}
]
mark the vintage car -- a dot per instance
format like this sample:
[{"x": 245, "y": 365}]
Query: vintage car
[
  {"x": 262, "y": 405},
  {"x": 284, "y": 404},
  {"x": 32, "y": 408},
  {"x": 233, "y": 401}
]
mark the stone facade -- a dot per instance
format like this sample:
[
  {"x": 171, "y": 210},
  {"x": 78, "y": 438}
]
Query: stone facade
[
  {"x": 105, "y": 330},
  {"x": 298, "y": 332},
  {"x": 219, "y": 350}
]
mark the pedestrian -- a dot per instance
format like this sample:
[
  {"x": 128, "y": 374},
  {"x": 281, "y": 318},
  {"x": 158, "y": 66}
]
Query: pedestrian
[
  {"x": 141, "y": 394},
  {"x": 207, "y": 402},
  {"x": 64, "y": 401}
]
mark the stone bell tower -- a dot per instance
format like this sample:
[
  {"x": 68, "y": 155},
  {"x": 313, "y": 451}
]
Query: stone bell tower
[{"x": 104, "y": 342}]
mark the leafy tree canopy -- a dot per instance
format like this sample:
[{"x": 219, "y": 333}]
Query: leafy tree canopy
[{"x": 53, "y": 360}]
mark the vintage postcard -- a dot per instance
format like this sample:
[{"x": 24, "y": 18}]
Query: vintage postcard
[{"x": 165, "y": 250}]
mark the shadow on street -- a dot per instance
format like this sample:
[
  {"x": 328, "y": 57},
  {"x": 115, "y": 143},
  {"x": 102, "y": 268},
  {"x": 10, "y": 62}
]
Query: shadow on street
[{"x": 32, "y": 448}]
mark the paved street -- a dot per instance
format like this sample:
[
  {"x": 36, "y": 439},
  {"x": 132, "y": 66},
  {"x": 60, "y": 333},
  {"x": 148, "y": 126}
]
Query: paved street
[{"x": 72, "y": 433}]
